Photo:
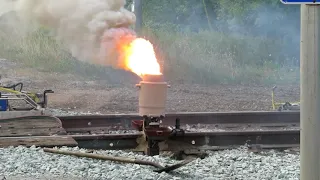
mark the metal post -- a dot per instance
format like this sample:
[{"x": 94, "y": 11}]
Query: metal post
[
  {"x": 310, "y": 93},
  {"x": 138, "y": 12}
]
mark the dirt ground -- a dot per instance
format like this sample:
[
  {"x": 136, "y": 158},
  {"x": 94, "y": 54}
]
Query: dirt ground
[{"x": 77, "y": 94}]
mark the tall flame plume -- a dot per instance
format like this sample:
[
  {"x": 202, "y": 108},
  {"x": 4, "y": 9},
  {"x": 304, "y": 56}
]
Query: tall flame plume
[
  {"x": 140, "y": 58},
  {"x": 131, "y": 52}
]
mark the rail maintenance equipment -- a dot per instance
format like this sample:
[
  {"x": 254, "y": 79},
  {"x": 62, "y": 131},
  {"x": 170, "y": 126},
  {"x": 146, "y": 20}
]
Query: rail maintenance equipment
[{"x": 14, "y": 92}]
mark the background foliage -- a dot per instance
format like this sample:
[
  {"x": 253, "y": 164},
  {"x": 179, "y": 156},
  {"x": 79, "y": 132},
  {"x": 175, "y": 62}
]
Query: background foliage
[{"x": 235, "y": 41}]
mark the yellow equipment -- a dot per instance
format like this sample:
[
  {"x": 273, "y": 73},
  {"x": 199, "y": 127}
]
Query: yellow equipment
[
  {"x": 8, "y": 93},
  {"x": 294, "y": 106}
]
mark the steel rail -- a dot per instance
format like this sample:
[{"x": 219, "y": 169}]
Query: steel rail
[
  {"x": 196, "y": 140},
  {"x": 190, "y": 140},
  {"x": 123, "y": 121},
  {"x": 269, "y": 129}
]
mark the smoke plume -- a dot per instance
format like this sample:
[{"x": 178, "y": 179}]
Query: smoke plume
[
  {"x": 90, "y": 29},
  {"x": 6, "y": 6}
]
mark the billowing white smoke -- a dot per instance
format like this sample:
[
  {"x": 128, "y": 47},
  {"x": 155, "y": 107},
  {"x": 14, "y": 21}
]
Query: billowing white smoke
[
  {"x": 81, "y": 24},
  {"x": 6, "y": 6}
]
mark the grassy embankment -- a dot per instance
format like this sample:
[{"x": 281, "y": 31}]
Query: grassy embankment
[{"x": 205, "y": 57}]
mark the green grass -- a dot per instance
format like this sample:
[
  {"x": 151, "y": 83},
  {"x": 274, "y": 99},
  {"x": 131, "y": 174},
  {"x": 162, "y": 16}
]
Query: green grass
[{"x": 204, "y": 57}]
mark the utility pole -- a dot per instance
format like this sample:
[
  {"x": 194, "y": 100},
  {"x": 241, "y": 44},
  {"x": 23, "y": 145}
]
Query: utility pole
[
  {"x": 138, "y": 12},
  {"x": 310, "y": 92},
  {"x": 310, "y": 88}
]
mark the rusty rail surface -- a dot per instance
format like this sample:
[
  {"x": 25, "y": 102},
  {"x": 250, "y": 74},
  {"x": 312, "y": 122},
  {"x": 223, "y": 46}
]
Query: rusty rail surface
[{"x": 123, "y": 121}]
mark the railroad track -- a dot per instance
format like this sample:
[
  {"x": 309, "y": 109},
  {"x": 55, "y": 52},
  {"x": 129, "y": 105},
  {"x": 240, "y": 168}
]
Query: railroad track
[
  {"x": 222, "y": 119},
  {"x": 203, "y": 131}
]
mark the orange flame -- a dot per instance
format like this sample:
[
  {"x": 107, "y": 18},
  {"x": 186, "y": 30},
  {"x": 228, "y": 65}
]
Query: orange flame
[{"x": 140, "y": 58}]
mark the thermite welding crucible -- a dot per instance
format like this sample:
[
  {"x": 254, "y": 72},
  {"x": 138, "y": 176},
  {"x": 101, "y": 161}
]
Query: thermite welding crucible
[{"x": 152, "y": 95}]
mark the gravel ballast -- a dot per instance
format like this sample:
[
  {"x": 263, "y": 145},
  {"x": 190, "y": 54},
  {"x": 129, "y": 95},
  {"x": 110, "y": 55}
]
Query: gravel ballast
[{"x": 225, "y": 165}]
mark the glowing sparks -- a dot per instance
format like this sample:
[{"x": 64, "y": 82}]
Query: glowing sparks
[{"x": 140, "y": 58}]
